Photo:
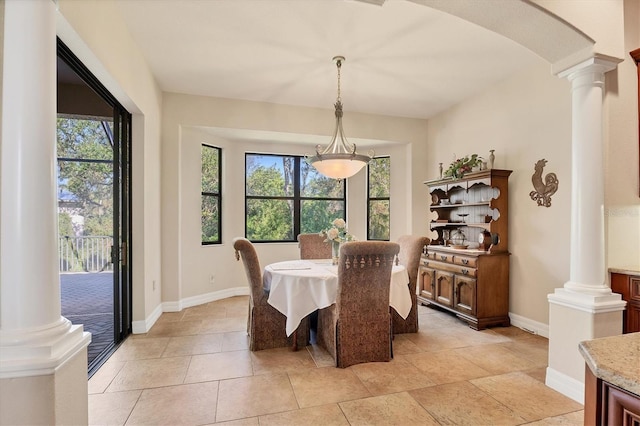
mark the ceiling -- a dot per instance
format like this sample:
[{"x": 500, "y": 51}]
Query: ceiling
[{"x": 402, "y": 59}]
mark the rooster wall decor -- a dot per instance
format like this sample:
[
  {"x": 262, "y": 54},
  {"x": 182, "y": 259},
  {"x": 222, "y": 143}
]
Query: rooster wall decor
[{"x": 543, "y": 190}]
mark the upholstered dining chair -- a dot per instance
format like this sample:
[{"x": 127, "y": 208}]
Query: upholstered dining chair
[
  {"x": 357, "y": 328},
  {"x": 266, "y": 325},
  {"x": 411, "y": 247},
  {"x": 313, "y": 246}
]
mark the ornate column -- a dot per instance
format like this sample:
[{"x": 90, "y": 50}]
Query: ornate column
[
  {"x": 43, "y": 358},
  {"x": 585, "y": 308}
]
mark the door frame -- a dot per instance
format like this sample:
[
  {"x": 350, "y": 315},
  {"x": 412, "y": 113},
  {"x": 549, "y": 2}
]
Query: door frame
[{"x": 122, "y": 223}]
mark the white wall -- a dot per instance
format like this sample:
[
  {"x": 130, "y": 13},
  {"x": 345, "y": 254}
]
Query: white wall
[
  {"x": 190, "y": 121},
  {"x": 95, "y": 32},
  {"x": 621, "y": 155},
  {"x": 524, "y": 118}
]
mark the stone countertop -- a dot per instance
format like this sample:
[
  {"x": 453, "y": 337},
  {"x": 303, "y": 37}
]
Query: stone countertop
[
  {"x": 626, "y": 270},
  {"x": 615, "y": 359}
]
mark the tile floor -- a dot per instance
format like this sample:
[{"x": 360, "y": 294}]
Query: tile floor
[{"x": 194, "y": 368}]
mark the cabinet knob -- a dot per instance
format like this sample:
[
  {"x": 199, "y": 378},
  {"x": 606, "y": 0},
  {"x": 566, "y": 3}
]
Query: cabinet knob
[
  {"x": 443, "y": 257},
  {"x": 465, "y": 261},
  {"x": 465, "y": 271}
]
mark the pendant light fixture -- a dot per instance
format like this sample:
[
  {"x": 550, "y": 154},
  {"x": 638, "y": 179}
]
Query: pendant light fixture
[{"x": 339, "y": 160}]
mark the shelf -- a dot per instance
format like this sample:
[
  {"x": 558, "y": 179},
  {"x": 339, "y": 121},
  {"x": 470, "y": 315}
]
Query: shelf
[
  {"x": 486, "y": 226},
  {"x": 450, "y": 206}
]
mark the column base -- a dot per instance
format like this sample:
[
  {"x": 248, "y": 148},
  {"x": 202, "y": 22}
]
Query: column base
[
  {"x": 575, "y": 317},
  {"x": 43, "y": 375}
]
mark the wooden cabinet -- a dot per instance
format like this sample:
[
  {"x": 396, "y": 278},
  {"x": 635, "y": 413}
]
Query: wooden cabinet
[
  {"x": 629, "y": 287},
  {"x": 606, "y": 404},
  {"x": 472, "y": 283}
]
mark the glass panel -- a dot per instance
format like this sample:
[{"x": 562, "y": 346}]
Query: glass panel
[
  {"x": 379, "y": 177},
  {"x": 210, "y": 218},
  {"x": 270, "y": 220},
  {"x": 379, "y": 220},
  {"x": 269, "y": 175},
  {"x": 86, "y": 139},
  {"x": 210, "y": 173},
  {"x": 317, "y": 215},
  {"x": 313, "y": 184}
]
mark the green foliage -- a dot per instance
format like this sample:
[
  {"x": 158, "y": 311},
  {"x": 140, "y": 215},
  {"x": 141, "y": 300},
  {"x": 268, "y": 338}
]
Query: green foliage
[
  {"x": 65, "y": 228},
  {"x": 87, "y": 186},
  {"x": 210, "y": 169},
  {"x": 271, "y": 219},
  {"x": 380, "y": 177},
  {"x": 463, "y": 165},
  {"x": 210, "y": 217},
  {"x": 379, "y": 219},
  {"x": 379, "y": 207}
]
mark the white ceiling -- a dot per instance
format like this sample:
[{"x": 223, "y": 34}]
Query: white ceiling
[{"x": 402, "y": 58}]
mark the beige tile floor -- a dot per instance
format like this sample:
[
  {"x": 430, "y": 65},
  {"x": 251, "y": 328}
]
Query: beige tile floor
[{"x": 194, "y": 368}]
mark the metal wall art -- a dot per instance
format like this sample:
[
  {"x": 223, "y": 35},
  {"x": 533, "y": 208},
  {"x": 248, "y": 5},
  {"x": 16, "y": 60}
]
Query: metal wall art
[{"x": 543, "y": 190}]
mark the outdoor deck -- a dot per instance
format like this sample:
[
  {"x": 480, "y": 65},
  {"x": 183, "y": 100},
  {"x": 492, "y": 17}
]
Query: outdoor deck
[{"x": 87, "y": 299}]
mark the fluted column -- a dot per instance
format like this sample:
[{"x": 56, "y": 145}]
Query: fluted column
[
  {"x": 42, "y": 356},
  {"x": 584, "y": 308}
]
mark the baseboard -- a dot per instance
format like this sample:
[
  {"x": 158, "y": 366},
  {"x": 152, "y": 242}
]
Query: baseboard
[
  {"x": 568, "y": 386},
  {"x": 141, "y": 327},
  {"x": 529, "y": 325}
]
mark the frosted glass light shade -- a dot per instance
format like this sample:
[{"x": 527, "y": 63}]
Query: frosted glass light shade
[{"x": 339, "y": 166}]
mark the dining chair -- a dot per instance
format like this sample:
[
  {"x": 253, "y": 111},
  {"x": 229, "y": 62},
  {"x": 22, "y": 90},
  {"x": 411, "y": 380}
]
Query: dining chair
[
  {"x": 411, "y": 248},
  {"x": 313, "y": 246},
  {"x": 266, "y": 325},
  {"x": 357, "y": 327}
]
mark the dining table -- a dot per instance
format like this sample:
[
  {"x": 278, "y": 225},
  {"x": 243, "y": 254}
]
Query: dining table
[{"x": 297, "y": 288}]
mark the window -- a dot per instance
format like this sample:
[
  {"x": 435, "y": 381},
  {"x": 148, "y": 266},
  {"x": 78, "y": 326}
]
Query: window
[
  {"x": 285, "y": 196},
  {"x": 211, "y": 199},
  {"x": 378, "y": 205}
]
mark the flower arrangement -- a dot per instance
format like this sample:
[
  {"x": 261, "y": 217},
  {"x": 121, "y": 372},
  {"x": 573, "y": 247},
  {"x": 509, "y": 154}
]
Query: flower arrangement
[
  {"x": 337, "y": 232},
  {"x": 463, "y": 165}
]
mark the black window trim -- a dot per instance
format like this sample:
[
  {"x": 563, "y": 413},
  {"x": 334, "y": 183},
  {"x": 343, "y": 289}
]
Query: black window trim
[
  {"x": 296, "y": 198},
  {"x": 370, "y": 198},
  {"x": 217, "y": 195}
]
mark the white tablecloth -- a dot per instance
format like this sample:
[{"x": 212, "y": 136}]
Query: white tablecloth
[{"x": 299, "y": 287}]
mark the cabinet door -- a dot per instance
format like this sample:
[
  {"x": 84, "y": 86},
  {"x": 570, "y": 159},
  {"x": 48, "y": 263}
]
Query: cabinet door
[
  {"x": 426, "y": 282},
  {"x": 465, "y": 295},
  {"x": 632, "y": 312},
  {"x": 622, "y": 408},
  {"x": 444, "y": 288}
]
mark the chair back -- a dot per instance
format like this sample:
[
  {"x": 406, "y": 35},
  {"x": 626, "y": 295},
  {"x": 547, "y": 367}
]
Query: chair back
[
  {"x": 411, "y": 247},
  {"x": 313, "y": 246},
  {"x": 245, "y": 250},
  {"x": 364, "y": 272}
]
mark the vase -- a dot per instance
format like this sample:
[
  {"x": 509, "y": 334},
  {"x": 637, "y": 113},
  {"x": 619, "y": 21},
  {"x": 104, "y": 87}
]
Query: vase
[
  {"x": 335, "y": 252},
  {"x": 492, "y": 158},
  {"x": 440, "y": 167}
]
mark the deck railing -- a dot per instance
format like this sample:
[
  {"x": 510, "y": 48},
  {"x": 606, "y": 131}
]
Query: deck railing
[{"x": 85, "y": 254}]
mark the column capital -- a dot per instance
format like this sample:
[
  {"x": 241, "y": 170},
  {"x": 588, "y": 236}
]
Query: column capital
[{"x": 597, "y": 64}]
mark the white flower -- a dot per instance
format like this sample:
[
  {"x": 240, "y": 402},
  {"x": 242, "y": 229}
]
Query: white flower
[
  {"x": 339, "y": 223},
  {"x": 332, "y": 234}
]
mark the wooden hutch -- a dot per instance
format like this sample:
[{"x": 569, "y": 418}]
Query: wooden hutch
[{"x": 473, "y": 283}]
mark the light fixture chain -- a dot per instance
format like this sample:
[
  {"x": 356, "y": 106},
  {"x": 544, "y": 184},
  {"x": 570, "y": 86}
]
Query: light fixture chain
[{"x": 339, "y": 65}]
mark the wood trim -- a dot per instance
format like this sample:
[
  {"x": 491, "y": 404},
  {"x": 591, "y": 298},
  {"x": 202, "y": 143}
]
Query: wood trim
[{"x": 635, "y": 54}]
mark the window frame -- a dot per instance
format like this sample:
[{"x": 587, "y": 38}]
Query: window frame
[
  {"x": 370, "y": 198},
  {"x": 296, "y": 198},
  {"x": 216, "y": 195}
]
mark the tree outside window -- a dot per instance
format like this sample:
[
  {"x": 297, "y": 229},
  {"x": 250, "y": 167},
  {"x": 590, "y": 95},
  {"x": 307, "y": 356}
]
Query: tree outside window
[
  {"x": 285, "y": 196},
  {"x": 211, "y": 199},
  {"x": 378, "y": 199}
]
